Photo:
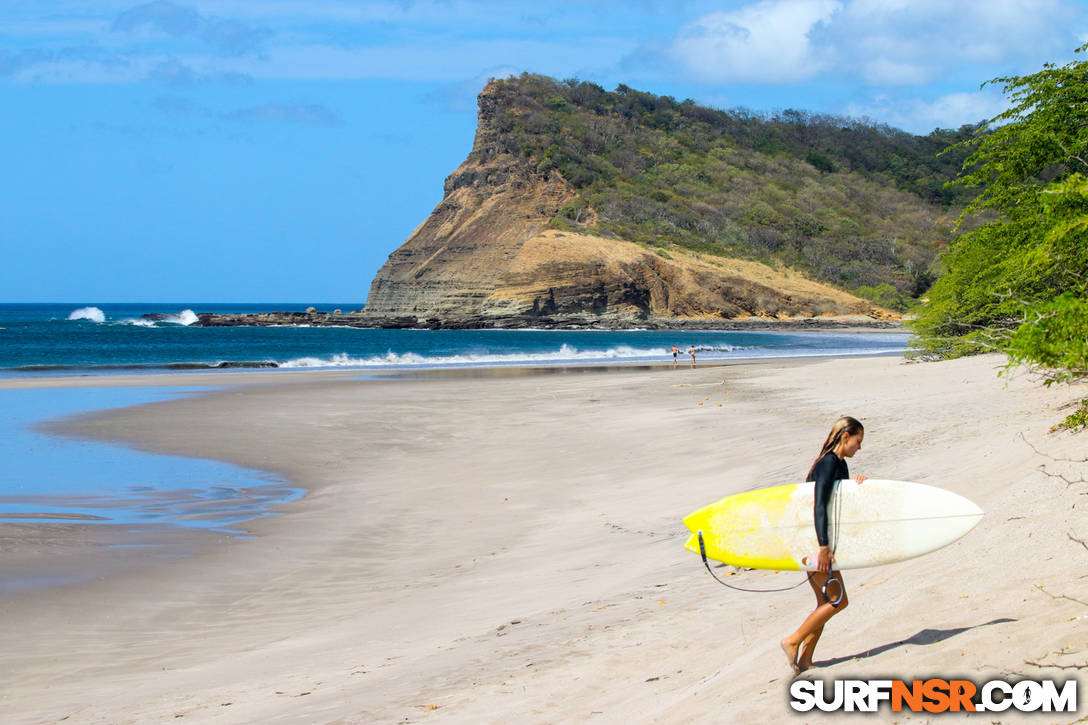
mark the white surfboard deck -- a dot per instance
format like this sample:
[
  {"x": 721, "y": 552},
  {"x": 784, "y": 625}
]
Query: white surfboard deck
[{"x": 876, "y": 522}]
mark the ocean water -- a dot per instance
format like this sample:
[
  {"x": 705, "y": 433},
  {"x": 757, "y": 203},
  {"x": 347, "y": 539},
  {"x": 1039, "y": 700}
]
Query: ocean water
[
  {"x": 47, "y": 478},
  {"x": 114, "y": 338}
]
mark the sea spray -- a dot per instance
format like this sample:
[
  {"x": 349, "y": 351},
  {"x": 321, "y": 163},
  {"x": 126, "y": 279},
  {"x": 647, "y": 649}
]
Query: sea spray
[
  {"x": 183, "y": 318},
  {"x": 88, "y": 313}
]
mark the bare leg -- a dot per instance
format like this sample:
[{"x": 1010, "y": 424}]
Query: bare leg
[
  {"x": 808, "y": 634},
  {"x": 804, "y": 659},
  {"x": 808, "y": 646}
]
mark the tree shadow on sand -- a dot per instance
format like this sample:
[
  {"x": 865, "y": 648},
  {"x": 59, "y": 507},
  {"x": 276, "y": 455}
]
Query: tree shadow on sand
[{"x": 926, "y": 636}]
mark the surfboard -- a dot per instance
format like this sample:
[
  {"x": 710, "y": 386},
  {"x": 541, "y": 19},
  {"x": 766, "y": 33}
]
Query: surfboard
[{"x": 876, "y": 522}]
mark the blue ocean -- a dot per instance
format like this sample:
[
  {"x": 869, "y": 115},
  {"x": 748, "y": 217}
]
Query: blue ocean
[
  {"x": 74, "y": 338},
  {"x": 46, "y": 478}
]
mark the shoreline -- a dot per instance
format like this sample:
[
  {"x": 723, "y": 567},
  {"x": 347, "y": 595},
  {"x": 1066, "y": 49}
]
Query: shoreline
[
  {"x": 21, "y": 377},
  {"x": 510, "y": 546}
]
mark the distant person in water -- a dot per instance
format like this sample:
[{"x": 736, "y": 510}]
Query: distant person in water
[
  {"x": 842, "y": 442},
  {"x": 675, "y": 352},
  {"x": 692, "y": 353}
]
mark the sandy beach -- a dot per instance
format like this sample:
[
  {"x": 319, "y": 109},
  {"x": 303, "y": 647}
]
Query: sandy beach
[{"x": 495, "y": 548}]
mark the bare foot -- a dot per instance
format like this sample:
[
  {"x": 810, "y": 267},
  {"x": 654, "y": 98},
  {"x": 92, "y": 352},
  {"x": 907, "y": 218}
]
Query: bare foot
[
  {"x": 791, "y": 655},
  {"x": 804, "y": 658}
]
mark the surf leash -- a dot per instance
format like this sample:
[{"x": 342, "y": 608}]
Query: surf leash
[
  {"x": 706, "y": 563},
  {"x": 808, "y": 577}
]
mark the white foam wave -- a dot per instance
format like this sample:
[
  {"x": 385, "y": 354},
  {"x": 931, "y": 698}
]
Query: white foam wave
[
  {"x": 88, "y": 313},
  {"x": 185, "y": 317},
  {"x": 565, "y": 353}
]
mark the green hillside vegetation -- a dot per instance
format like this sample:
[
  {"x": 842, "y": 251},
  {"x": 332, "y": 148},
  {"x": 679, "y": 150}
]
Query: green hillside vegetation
[
  {"x": 1019, "y": 282},
  {"x": 855, "y": 204}
]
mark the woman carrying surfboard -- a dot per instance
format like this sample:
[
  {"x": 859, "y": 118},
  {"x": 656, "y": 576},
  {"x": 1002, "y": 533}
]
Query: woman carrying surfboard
[{"x": 842, "y": 442}]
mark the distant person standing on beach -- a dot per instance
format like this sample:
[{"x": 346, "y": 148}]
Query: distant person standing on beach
[
  {"x": 692, "y": 353},
  {"x": 675, "y": 352},
  {"x": 842, "y": 442}
]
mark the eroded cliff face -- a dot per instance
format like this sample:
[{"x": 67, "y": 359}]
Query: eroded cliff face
[
  {"x": 453, "y": 262},
  {"x": 485, "y": 253},
  {"x": 560, "y": 274}
]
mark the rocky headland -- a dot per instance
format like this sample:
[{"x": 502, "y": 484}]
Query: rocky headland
[{"x": 514, "y": 244}]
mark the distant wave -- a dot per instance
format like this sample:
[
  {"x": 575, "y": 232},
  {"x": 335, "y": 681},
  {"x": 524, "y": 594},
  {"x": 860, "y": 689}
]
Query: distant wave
[
  {"x": 392, "y": 360},
  {"x": 94, "y": 314},
  {"x": 183, "y": 318},
  {"x": 88, "y": 313},
  {"x": 564, "y": 354}
]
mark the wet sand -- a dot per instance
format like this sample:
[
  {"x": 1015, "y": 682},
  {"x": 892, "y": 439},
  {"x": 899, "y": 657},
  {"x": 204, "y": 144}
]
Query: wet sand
[{"x": 497, "y": 549}]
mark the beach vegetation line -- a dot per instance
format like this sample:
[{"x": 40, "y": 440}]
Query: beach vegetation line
[{"x": 1015, "y": 278}]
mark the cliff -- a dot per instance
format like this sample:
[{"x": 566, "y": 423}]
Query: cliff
[
  {"x": 454, "y": 262},
  {"x": 515, "y": 241}
]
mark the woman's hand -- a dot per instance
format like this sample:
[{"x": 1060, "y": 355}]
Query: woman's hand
[
  {"x": 824, "y": 559},
  {"x": 859, "y": 479}
]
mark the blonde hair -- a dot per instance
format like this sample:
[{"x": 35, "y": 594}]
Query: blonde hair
[{"x": 843, "y": 426}]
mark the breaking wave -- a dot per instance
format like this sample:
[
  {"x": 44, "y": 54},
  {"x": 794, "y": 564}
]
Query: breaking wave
[
  {"x": 183, "y": 318},
  {"x": 566, "y": 353},
  {"x": 95, "y": 314},
  {"x": 88, "y": 313}
]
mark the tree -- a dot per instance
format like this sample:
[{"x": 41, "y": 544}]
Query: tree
[
  {"x": 1054, "y": 335},
  {"x": 1018, "y": 280},
  {"x": 821, "y": 161}
]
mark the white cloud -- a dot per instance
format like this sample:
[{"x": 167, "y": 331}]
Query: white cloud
[
  {"x": 894, "y": 42},
  {"x": 887, "y": 72},
  {"x": 843, "y": 44},
  {"x": 879, "y": 42},
  {"x": 768, "y": 42},
  {"x": 921, "y": 116}
]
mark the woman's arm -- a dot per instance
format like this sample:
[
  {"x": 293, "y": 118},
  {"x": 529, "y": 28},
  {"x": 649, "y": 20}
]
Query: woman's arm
[{"x": 823, "y": 476}]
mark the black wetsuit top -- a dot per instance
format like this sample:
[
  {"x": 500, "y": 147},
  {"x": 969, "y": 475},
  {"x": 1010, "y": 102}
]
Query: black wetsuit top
[{"x": 827, "y": 470}]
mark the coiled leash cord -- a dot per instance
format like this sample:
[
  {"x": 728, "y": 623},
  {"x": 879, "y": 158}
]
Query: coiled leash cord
[
  {"x": 830, "y": 577},
  {"x": 706, "y": 563}
]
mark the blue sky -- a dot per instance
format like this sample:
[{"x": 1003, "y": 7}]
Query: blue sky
[{"x": 279, "y": 150}]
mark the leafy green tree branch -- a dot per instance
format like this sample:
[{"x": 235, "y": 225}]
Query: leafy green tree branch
[{"x": 1018, "y": 281}]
